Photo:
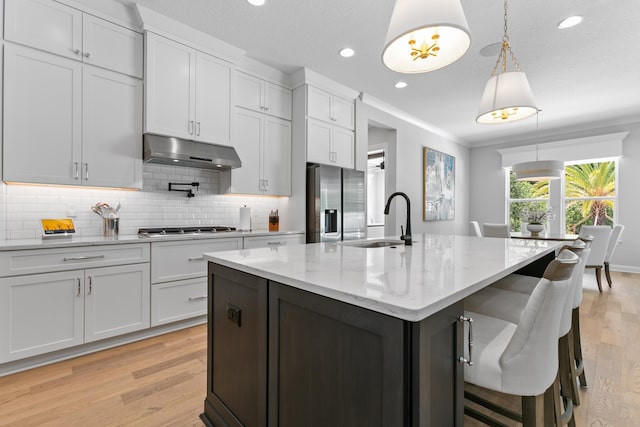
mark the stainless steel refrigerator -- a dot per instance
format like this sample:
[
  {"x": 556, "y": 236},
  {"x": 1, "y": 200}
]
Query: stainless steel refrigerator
[{"x": 336, "y": 204}]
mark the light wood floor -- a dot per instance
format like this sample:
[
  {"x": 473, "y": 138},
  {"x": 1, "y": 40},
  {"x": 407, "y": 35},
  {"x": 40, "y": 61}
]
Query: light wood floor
[{"x": 162, "y": 381}]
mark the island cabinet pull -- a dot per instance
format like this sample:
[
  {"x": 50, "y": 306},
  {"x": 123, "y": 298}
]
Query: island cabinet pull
[
  {"x": 462, "y": 359},
  {"x": 196, "y": 259},
  {"x": 198, "y": 298},
  {"x": 83, "y": 258}
]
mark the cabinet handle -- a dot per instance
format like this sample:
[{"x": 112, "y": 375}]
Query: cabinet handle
[
  {"x": 462, "y": 359},
  {"x": 276, "y": 243},
  {"x": 197, "y": 128},
  {"x": 198, "y": 298},
  {"x": 87, "y": 54},
  {"x": 266, "y": 185},
  {"x": 266, "y": 108},
  {"x": 190, "y": 127},
  {"x": 78, "y": 292},
  {"x": 82, "y": 258},
  {"x": 77, "y": 174},
  {"x": 86, "y": 171},
  {"x": 196, "y": 259},
  {"x": 90, "y": 285},
  {"x": 76, "y": 51}
]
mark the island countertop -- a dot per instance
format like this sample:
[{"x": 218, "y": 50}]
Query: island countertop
[{"x": 406, "y": 282}]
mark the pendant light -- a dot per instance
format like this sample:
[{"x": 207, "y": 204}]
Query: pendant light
[
  {"x": 425, "y": 35},
  {"x": 539, "y": 169},
  {"x": 507, "y": 96}
]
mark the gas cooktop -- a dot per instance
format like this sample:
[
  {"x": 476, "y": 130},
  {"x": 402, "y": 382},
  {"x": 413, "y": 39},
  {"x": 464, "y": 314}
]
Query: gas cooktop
[{"x": 178, "y": 231}]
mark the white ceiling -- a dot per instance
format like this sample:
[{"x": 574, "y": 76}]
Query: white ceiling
[{"x": 583, "y": 78}]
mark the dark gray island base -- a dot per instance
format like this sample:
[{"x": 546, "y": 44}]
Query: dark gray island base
[{"x": 281, "y": 356}]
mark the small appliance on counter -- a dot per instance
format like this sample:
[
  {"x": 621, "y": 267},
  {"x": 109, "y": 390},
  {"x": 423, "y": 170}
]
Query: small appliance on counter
[
  {"x": 57, "y": 228},
  {"x": 335, "y": 204}
]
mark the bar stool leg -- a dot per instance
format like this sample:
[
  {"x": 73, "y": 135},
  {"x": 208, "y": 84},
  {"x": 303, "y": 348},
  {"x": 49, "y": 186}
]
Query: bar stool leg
[
  {"x": 577, "y": 346},
  {"x": 567, "y": 369},
  {"x": 533, "y": 411}
]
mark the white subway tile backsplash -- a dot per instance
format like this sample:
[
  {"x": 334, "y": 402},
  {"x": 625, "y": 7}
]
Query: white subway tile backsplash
[{"x": 22, "y": 207}]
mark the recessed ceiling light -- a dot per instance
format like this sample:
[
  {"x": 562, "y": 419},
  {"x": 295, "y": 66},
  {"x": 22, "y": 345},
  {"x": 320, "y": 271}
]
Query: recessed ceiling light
[
  {"x": 256, "y": 2},
  {"x": 400, "y": 85},
  {"x": 347, "y": 52},
  {"x": 491, "y": 50},
  {"x": 569, "y": 22}
]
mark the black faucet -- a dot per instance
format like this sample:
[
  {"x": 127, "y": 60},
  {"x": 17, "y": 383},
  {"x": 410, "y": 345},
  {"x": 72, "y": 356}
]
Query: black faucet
[{"x": 405, "y": 237}]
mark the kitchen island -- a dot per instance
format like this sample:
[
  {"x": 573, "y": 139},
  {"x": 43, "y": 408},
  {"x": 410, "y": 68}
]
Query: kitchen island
[{"x": 336, "y": 334}]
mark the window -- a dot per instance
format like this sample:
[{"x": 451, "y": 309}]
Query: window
[
  {"x": 525, "y": 195},
  {"x": 589, "y": 194}
]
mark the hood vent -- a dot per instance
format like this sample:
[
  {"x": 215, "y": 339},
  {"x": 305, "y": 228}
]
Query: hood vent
[{"x": 182, "y": 152}]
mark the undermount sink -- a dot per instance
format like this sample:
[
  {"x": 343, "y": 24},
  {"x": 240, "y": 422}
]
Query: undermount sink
[{"x": 380, "y": 243}]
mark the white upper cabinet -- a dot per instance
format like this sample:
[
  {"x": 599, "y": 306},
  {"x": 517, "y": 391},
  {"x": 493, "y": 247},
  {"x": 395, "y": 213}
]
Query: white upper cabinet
[
  {"x": 111, "y": 46},
  {"x": 260, "y": 95},
  {"x": 329, "y": 145},
  {"x": 330, "y": 108},
  {"x": 65, "y": 123},
  {"x": 188, "y": 92},
  {"x": 264, "y": 146},
  {"x": 65, "y": 31}
]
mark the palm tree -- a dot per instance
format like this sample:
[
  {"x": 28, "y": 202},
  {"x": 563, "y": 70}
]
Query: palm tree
[{"x": 591, "y": 180}]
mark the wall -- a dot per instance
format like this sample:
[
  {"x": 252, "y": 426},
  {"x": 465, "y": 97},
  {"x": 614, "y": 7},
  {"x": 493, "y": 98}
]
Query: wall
[
  {"x": 487, "y": 201},
  {"x": 23, "y": 206},
  {"x": 407, "y": 172}
]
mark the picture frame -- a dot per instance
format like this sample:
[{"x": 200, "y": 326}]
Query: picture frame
[{"x": 439, "y": 171}]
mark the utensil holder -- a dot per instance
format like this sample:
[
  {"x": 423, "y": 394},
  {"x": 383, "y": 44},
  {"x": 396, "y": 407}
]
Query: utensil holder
[{"x": 110, "y": 227}]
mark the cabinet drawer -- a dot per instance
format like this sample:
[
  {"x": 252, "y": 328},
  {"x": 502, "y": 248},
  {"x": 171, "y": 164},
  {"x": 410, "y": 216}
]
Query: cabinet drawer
[
  {"x": 184, "y": 260},
  {"x": 179, "y": 300},
  {"x": 273, "y": 241},
  {"x": 15, "y": 263}
]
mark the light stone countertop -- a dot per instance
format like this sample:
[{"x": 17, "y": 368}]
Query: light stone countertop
[
  {"x": 406, "y": 282},
  {"x": 77, "y": 241}
]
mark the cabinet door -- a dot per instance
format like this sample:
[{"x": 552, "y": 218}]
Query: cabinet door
[
  {"x": 248, "y": 132},
  {"x": 319, "y": 104},
  {"x": 248, "y": 93},
  {"x": 277, "y": 101},
  {"x": 112, "y": 129},
  {"x": 40, "y": 313},
  {"x": 213, "y": 100},
  {"x": 170, "y": 94},
  {"x": 343, "y": 112},
  {"x": 237, "y": 352},
  {"x": 342, "y": 350},
  {"x": 45, "y": 25},
  {"x": 111, "y": 46},
  {"x": 319, "y": 142},
  {"x": 117, "y": 300},
  {"x": 342, "y": 147},
  {"x": 182, "y": 299},
  {"x": 275, "y": 152},
  {"x": 42, "y": 117}
]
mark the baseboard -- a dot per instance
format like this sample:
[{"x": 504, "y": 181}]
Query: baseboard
[
  {"x": 624, "y": 268},
  {"x": 92, "y": 347}
]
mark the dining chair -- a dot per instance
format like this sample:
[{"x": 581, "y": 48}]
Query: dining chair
[
  {"x": 601, "y": 236},
  {"x": 616, "y": 232},
  {"x": 476, "y": 228},
  {"x": 521, "y": 358},
  {"x": 495, "y": 230}
]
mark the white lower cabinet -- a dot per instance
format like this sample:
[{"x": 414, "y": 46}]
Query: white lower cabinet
[
  {"x": 40, "y": 313},
  {"x": 273, "y": 241},
  {"x": 179, "y": 277}
]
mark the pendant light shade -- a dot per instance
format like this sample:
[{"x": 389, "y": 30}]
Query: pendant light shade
[
  {"x": 425, "y": 35},
  {"x": 507, "y": 97},
  {"x": 538, "y": 170}
]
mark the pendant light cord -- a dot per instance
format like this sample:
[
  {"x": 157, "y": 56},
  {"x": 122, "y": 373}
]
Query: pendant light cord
[{"x": 506, "y": 48}]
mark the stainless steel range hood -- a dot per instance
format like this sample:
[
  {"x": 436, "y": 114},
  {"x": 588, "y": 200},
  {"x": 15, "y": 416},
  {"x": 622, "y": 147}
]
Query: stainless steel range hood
[{"x": 182, "y": 152}]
